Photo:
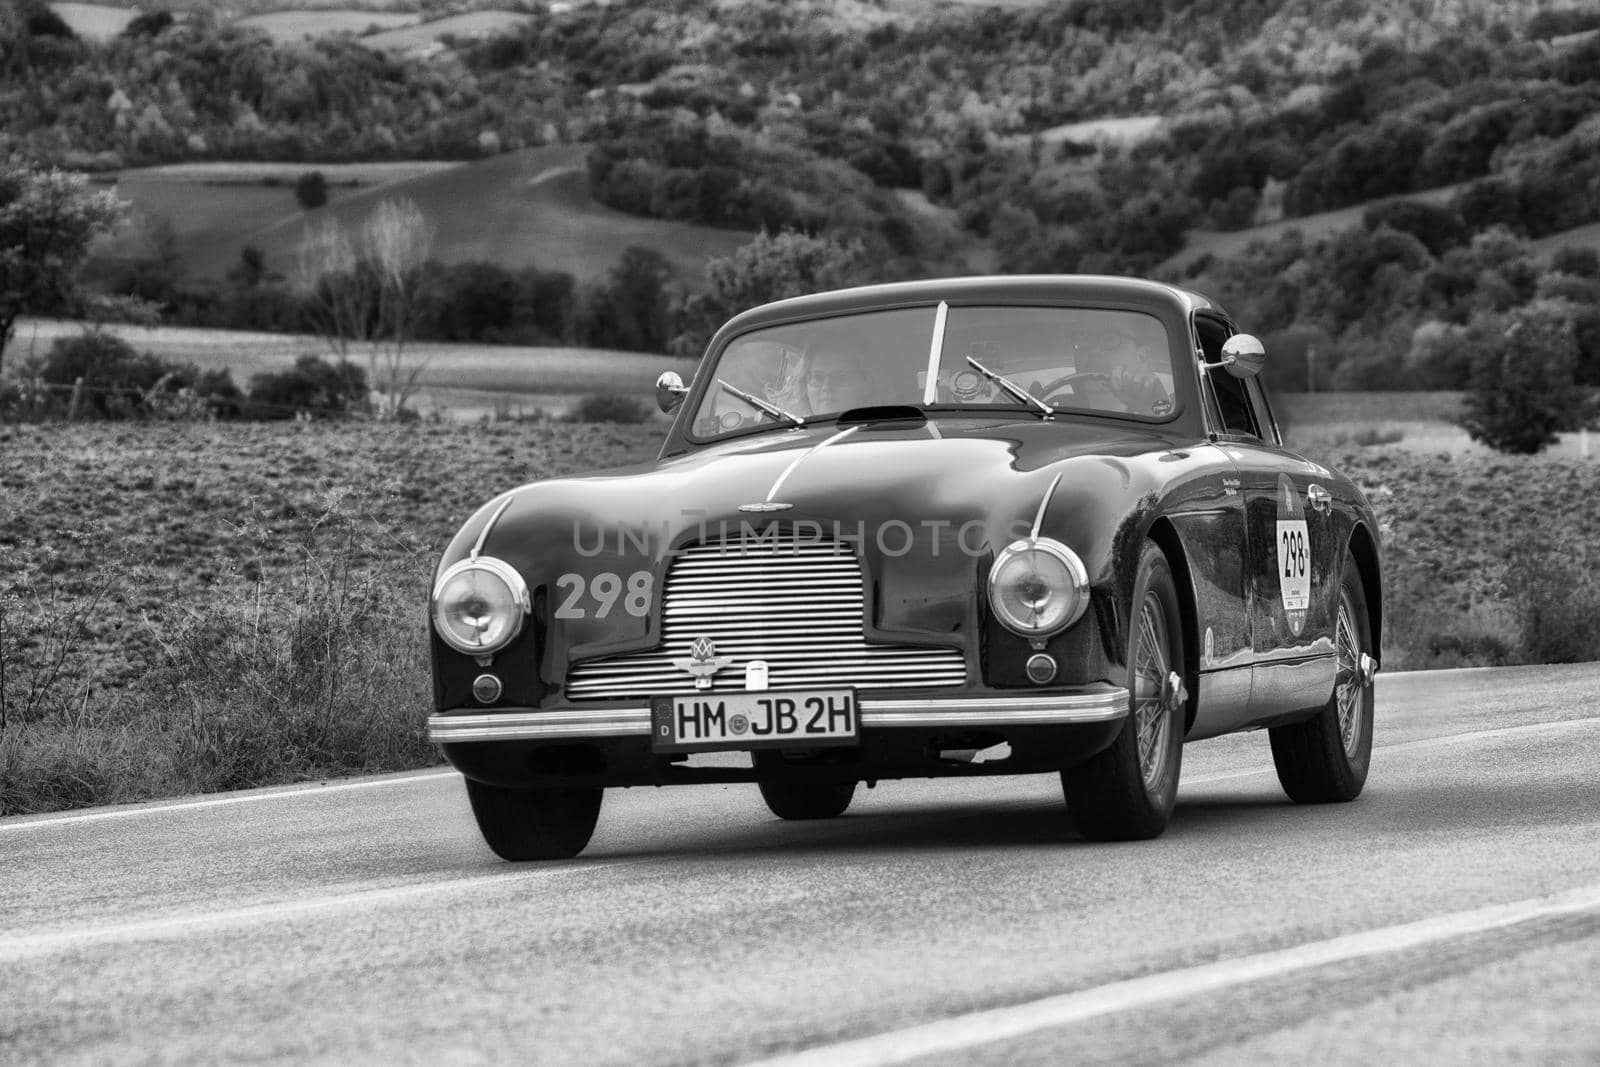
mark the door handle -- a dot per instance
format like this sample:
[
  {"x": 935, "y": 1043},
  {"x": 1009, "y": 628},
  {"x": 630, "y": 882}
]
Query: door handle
[{"x": 1320, "y": 498}]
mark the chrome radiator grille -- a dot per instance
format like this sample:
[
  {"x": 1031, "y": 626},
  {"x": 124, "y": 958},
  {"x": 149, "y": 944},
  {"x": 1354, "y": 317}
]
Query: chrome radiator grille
[{"x": 796, "y": 606}]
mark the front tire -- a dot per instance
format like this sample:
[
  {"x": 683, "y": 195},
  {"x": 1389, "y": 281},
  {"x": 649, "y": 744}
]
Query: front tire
[
  {"x": 1128, "y": 791},
  {"x": 1324, "y": 760},
  {"x": 807, "y": 800},
  {"x": 535, "y": 824}
]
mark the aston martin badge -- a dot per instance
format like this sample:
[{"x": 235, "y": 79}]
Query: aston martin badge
[{"x": 703, "y": 662}]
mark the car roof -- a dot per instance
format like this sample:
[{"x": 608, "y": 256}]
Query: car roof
[{"x": 1090, "y": 289}]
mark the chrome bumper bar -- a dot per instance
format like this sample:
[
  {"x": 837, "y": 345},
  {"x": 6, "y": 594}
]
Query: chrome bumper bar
[{"x": 1100, "y": 703}]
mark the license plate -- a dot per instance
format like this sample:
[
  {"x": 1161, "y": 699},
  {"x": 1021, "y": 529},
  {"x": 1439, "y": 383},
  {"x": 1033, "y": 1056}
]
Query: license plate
[{"x": 704, "y": 722}]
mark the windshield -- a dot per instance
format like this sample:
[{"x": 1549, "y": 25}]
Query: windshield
[{"x": 1072, "y": 359}]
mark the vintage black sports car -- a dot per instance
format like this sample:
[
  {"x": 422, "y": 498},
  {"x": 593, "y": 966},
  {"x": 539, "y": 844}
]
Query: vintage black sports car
[{"x": 987, "y": 525}]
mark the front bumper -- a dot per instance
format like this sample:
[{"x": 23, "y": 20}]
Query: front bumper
[{"x": 1083, "y": 705}]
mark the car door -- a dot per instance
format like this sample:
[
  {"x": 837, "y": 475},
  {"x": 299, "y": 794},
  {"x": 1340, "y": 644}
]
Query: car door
[
  {"x": 1211, "y": 523},
  {"x": 1291, "y": 551}
]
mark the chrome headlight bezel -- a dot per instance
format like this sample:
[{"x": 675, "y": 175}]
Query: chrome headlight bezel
[
  {"x": 518, "y": 598},
  {"x": 1076, "y": 585}
]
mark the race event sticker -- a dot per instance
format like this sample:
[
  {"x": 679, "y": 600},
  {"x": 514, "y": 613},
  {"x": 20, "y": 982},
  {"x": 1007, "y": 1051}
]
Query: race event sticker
[{"x": 1294, "y": 555}]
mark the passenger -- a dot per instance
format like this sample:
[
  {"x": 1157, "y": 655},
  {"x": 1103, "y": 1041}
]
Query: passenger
[{"x": 832, "y": 381}]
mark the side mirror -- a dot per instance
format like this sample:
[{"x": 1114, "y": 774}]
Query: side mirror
[
  {"x": 1243, "y": 355},
  {"x": 670, "y": 391}
]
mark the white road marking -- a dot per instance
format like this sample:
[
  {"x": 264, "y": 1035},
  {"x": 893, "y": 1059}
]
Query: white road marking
[
  {"x": 1003, "y": 1024},
  {"x": 54, "y": 941},
  {"x": 286, "y": 792}
]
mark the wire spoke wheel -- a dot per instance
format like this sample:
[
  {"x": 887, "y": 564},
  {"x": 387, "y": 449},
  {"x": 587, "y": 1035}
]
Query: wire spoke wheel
[
  {"x": 1151, "y": 708},
  {"x": 1348, "y": 683},
  {"x": 1127, "y": 791},
  {"x": 1324, "y": 759}
]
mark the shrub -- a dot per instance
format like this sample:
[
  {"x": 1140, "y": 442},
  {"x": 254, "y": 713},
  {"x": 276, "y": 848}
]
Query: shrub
[
  {"x": 1524, "y": 386},
  {"x": 1578, "y": 260},
  {"x": 120, "y": 382},
  {"x": 608, "y": 407},
  {"x": 149, "y": 24},
  {"x": 1552, "y": 589},
  {"x": 314, "y": 386},
  {"x": 311, "y": 189}
]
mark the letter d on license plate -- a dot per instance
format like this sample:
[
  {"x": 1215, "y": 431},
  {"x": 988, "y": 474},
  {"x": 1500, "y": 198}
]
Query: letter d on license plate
[{"x": 705, "y": 722}]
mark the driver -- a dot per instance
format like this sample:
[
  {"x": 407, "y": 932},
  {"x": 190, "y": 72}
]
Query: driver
[{"x": 1124, "y": 369}]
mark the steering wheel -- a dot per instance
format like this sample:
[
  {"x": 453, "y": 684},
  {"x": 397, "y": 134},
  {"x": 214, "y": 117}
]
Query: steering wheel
[{"x": 1068, "y": 379}]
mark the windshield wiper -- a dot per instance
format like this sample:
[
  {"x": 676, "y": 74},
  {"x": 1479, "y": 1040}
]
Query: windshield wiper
[
  {"x": 756, "y": 402},
  {"x": 1013, "y": 388}
]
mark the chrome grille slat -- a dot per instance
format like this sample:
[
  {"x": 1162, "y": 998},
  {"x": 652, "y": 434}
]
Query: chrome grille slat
[{"x": 799, "y": 607}]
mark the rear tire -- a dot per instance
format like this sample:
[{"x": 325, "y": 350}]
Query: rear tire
[
  {"x": 535, "y": 824},
  {"x": 807, "y": 800},
  {"x": 1128, "y": 791},
  {"x": 1324, "y": 760}
]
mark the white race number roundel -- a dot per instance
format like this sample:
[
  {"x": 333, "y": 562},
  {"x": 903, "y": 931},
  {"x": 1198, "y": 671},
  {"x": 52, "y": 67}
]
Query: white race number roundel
[{"x": 1293, "y": 553}]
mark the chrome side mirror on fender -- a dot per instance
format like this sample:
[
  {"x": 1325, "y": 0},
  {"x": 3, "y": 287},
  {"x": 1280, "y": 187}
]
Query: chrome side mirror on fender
[
  {"x": 1243, "y": 355},
  {"x": 670, "y": 391}
]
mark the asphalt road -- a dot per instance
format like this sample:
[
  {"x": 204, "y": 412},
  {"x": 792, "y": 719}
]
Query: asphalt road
[{"x": 1451, "y": 914}]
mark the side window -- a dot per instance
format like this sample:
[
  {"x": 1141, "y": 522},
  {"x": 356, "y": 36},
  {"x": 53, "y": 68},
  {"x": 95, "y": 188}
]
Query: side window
[
  {"x": 1264, "y": 416},
  {"x": 1231, "y": 395}
]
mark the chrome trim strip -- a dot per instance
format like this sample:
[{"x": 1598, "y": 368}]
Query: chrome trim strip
[
  {"x": 524, "y": 725},
  {"x": 1105, "y": 703},
  {"x": 1098, "y": 704},
  {"x": 483, "y": 535},
  {"x": 807, "y": 454},
  {"x": 930, "y": 388},
  {"x": 1038, "y": 520}
]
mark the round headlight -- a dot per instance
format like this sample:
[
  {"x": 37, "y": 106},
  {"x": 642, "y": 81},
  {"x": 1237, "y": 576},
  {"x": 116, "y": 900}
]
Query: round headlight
[
  {"x": 479, "y": 605},
  {"x": 1038, "y": 587}
]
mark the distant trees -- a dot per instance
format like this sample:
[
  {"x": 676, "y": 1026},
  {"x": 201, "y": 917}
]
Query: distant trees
[
  {"x": 771, "y": 267},
  {"x": 311, "y": 189},
  {"x": 1524, "y": 382},
  {"x": 369, "y": 289},
  {"x": 47, "y": 219}
]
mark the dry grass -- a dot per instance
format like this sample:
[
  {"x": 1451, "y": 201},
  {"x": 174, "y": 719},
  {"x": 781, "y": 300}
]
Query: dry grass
[{"x": 186, "y": 607}]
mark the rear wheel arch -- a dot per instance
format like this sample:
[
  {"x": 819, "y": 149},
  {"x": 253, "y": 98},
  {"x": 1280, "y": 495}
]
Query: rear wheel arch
[
  {"x": 1364, "y": 550},
  {"x": 1165, "y": 535}
]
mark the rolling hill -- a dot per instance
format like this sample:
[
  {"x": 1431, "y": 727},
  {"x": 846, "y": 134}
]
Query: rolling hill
[{"x": 525, "y": 208}]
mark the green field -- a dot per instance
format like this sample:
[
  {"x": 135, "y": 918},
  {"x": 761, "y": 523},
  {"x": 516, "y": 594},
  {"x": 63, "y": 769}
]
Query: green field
[
  {"x": 524, "y": 208},
  {"x": 285, "y": 26},
  {"x": 470, "y": 24}
]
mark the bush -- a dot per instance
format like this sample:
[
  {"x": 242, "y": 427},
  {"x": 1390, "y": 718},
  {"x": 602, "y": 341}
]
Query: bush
[
  {"x": 1524, "y": 386},
  {"x": 119, "y": 382},
  {"x": 608, "y": 407},
  {"x": 1553, "y": 591},
  {"x": 314, "y": 387},
  {"x": 311, "y": 189}
]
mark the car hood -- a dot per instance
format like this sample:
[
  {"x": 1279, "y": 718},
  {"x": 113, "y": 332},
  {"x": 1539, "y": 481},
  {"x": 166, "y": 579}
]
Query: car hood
[{"x": 928, "y": 504}]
